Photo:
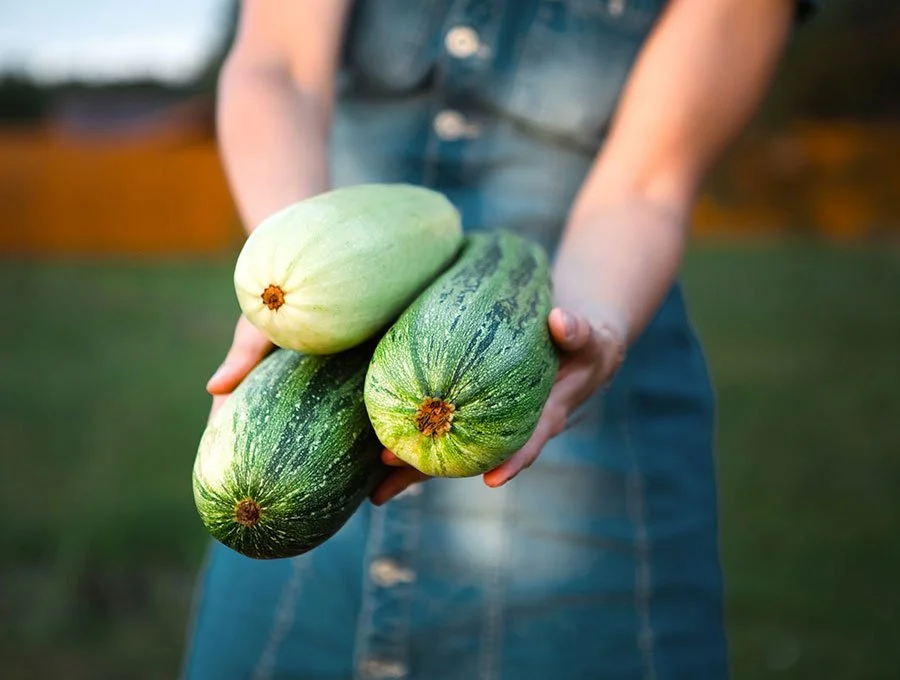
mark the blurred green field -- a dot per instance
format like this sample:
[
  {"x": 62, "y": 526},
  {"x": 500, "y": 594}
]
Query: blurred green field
[{"x": 101, "y": 405}]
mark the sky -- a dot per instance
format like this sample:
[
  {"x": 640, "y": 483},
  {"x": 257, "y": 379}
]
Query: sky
[{"x": 59, "y": 40}]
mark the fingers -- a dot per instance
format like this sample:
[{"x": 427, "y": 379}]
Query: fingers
[
  {"x": 597, "y": 352},
  {"x": 388, "y": 458},
  {"x": 551, "y": 423},
  {"x": 575, "y": 387},
  {"x": 248, "y": 348},
  {"x": 396, "y": 482},
  {"x": 569, "y": 331}
]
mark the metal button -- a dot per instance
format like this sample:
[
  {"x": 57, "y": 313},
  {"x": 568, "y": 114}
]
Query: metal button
[
  {"x": 616, "y": 7},
  {"x": 383, "y": 668},
  {"x": 450, "y": 125},
  {"x": 385, "y": 572},
  {"x": 462, "y": 42}
]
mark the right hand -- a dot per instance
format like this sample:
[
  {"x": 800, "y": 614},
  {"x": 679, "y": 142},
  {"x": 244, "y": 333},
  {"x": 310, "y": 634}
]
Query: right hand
[{"x": 248, "y": 348}]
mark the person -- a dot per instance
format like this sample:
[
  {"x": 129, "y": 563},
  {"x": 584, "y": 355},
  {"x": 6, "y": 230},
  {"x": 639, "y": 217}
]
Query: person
[{"x": 585, "y": 125}]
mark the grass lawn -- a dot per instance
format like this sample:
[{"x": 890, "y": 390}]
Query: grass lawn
[{"x": 101, "y": 406}]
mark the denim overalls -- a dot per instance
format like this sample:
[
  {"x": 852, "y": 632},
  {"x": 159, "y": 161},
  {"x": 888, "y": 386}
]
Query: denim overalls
[{"x": 601, "y": 560}]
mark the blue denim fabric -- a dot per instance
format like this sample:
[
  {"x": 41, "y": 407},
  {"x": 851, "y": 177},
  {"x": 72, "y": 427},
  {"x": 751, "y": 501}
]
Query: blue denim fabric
[{"x": 601, "y": 560}]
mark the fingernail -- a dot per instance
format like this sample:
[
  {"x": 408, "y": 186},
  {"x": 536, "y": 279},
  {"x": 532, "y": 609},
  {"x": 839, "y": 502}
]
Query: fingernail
[
  {"x": 218, "y": 373},
  {"x": 497, "y": 485},
  {"x": 569, "y": 323}
]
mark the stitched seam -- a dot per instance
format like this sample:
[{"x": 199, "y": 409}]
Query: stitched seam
[
  {"x": 367, "y": 607},
  {"x": 410, "y": 531},
  {"x": 489, "y": 666},
  {"x": 643, "y": 576},
  {"x": 698, "y": 345},
  {"x": 282, "y": 621},
  {"x": 429, "y": 172}
]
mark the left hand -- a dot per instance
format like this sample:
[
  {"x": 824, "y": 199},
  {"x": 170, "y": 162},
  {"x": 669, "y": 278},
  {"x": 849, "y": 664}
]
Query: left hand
[{"x": 590, "y": 357}]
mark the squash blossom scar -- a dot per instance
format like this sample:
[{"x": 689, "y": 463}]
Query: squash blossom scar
[
  {"x": 273, "y": 297},
  {"x": 247, "y": 512},
  {"x": 434, "y": 417}
]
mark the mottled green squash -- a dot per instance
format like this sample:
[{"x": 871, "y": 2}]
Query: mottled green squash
[
  {"x": 457, "y": 384},
  {"x": 289, "y": 457}
]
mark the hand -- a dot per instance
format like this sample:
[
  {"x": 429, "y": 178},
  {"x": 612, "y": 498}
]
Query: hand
[
  {"x": 590, "y": 358},
  {"x": 248, "y": 348}
]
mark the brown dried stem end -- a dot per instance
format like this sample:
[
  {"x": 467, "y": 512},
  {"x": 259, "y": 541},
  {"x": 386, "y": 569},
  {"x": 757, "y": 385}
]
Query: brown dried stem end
[
  {"x": 273, "y": 297},
  {"x": 434, "y": 417},
  {"x": 247, "y": 512}
]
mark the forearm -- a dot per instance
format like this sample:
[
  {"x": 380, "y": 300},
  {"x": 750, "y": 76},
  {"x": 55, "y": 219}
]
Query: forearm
[
  {"x": 696, "y": 83},
  {"x": 616, "y": 263},
  {"x": 272, "y": 140}
]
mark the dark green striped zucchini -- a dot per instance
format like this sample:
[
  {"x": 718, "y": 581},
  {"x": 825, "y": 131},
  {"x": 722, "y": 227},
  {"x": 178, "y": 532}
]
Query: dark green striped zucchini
[
  {"x": 457, "y": 384},
  {"x": 289, "y": 457}
]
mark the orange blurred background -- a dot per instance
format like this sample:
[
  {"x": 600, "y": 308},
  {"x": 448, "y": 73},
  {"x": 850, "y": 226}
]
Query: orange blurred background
[
  {"x": 112, "y": 169},
  {"x": 156, "y": 185}
]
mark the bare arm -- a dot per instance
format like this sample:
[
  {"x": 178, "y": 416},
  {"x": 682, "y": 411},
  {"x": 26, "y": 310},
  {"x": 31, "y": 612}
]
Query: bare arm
[
  {"x": 696, "y": 83},
  {"x": 276, "y": 92}
]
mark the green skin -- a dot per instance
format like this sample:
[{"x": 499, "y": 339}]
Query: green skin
[
  {"x": 476, "y": 339},
  {"x": 294, "y": 444}
]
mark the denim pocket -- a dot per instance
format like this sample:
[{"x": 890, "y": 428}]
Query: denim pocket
[
  {"x": 392, "y": 44},
  {"x": 569, "y": 69}
]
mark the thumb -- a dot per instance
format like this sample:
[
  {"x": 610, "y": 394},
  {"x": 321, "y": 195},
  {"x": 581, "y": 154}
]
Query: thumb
[
  {"x": 569, "y": 331},
  {"x": 248, "y": 348}
]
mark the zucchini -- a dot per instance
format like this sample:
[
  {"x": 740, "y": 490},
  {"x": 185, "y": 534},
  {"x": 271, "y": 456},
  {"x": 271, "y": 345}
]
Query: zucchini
[
  {"x": 289, "y": 457},
  {"x": 457, "y": 383},
  {"x": 327, "y": 273}
]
